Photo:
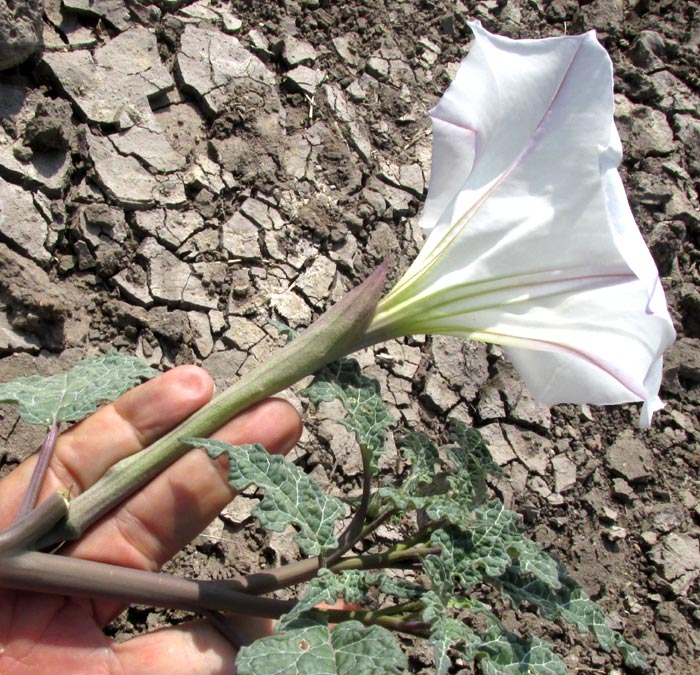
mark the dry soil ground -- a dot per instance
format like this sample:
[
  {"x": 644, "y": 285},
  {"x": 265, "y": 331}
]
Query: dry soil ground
[{"x": 173, "y": 173}]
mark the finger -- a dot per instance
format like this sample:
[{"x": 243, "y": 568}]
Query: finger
[
  {"x": 177, "y": 505},
  {"x": 152, "y": 525},
  {"x": 195, "y": 647},
  {"x": 136, "y": 419}
]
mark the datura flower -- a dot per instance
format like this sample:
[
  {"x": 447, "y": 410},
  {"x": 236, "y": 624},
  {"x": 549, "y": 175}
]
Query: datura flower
[{"x": 531, "y": 243}]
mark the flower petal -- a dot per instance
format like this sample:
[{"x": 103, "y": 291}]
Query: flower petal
[
  {"x": 454, "y": 149},
  {"x": 533, "y": 244}
]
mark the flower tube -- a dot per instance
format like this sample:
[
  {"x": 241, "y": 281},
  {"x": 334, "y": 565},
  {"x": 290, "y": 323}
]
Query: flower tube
[{"x": 531, "y": 243}]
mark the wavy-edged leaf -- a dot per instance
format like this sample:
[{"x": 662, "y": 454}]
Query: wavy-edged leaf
[
  {"x": 327, "y": 587},
  {"x": 471, "y": 464},
  {"x": 291, "y": 497},
  {"x": 424, "y": 461},
  {"x": 75, "y": 394},
  {"x": 488, "y": 541},
  {"x": 453, "y": 568},
  {"x": 310, "y": 647},
  {"x": 430, "y": 483},
  {"x": 569, "y": 602},
  {"x": 400, "y": 588},
  {"x": 361, "y": 397},
  {"x": 284, "y": 330},
  {"x": 471, "y": 455},
  {"x": 421, "y": 454},
  {"x": 503, "y": 653},
  {"x": 443, "y": 489},
  {"x": 446, "y": 632}
]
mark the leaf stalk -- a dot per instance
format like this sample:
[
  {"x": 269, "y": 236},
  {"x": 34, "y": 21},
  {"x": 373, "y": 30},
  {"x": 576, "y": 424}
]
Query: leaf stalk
[
  {"x": 380, "y": 618},
  {"x": 42, "y": 464}
]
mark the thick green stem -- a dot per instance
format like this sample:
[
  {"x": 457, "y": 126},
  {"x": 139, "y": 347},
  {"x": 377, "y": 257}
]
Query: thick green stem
[{"x": 336, "y": 333}]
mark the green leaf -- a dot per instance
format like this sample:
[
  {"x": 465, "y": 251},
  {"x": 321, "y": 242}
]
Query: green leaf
[
  {"x": 400, "y": 588},
  {"x": 423, "y": 457},
  {"x": 351, "y": 585},
  {"x": 503, "y": 653},
  {"x": 284, "y": 330},
  {"x": 453, "y": 572},
  {"x": 472, "y": 461},
  {"x": 569, "y": 602},
  {"x": 632, "y": 657},
  {"x": 443, "y": 489},
  {"x": 491, "y": 533},
  {"x": 75, "y": 394},
  {"x": 587, "y": 615},
  {"x": 538, "y": 563},
  {"x": 310, "y": 647},
  {"x": 453, "y": 568},
  {"x": 417, "y": 493},
  {"x": 471, "y": 451},
  {"x": 483, "y": 542},
  {"x": 425, "y": 479},
  {"x": 466, "y": 478},
  {"x": 361, "y": 397},
  {"x": 291, "y": 497},
  {"x": 489, "y": 541},
  {"x": 445, "y": 632}
]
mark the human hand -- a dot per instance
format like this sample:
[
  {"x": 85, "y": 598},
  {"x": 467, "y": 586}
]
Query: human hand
[{"x": 42, "y": 633}]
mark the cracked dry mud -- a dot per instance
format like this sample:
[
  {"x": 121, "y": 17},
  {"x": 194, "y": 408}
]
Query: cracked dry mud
[{"x": 173, "y": 173}]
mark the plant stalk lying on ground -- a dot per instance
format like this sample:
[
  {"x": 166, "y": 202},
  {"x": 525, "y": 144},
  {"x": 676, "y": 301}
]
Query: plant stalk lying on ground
[{"x": 531, "y": 245}]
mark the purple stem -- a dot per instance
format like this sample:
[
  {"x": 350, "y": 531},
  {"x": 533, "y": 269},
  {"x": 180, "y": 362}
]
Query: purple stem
[
  {"x": 24, "y": 533},
  {"x": 353, "y": 532},
  {"x": 37, "y": 480},
  {"x": 62, "y": 575},
  {"x": 27, "y": 570}
]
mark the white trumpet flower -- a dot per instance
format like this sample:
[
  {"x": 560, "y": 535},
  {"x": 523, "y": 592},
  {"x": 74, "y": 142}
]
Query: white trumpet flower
[{"x": 531, "y": 243}]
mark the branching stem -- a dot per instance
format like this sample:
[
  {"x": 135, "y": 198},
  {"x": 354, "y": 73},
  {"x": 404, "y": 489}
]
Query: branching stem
[
  {"x": 23, "y": 569},
  {"x": 422, "y": 535},
  {"x": 374, "y": 524},
  {"x": 297, "y": 572},
  {"x": 26, "y": 530}
]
